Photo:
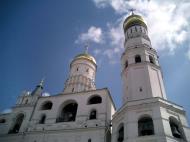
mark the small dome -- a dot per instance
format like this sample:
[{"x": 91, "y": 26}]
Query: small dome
[
  {"x": 85, "y": 56},
  {"x": 133, "y": 20}
]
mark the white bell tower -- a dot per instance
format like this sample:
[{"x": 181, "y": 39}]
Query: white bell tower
[
  {"x": 141, "y": 72},
  {"x": 146, "y": 115}
]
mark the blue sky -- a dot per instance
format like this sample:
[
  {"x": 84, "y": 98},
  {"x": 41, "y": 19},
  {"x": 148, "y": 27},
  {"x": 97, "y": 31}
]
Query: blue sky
[{"x": 39, "y": 38}]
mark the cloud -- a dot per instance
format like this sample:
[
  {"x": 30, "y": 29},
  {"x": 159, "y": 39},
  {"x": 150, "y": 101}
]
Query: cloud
[
  {"x": 94, "y": 34},
  {"x": 167, "y": 22}
]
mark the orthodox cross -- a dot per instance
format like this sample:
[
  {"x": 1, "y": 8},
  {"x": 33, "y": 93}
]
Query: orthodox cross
[{"x": 132, "y": 11}]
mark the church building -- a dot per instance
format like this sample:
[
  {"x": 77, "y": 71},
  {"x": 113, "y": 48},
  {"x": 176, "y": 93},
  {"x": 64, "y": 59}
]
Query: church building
[{"x": 84, "y": 113}]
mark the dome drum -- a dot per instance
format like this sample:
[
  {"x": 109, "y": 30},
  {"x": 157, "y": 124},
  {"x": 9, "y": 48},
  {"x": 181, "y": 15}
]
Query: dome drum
[{"x": 132, "y": 21}]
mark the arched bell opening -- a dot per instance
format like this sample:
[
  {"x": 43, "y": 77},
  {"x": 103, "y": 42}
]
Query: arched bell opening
[
  {"x": 176, "y": 128},
  {"x": 68, "y": 112},
  {"x": 145, "y": 126}
]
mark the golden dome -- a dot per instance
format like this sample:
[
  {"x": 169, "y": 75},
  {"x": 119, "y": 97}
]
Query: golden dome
[
  {"x": 133, "y": 20},
  {"x": 85, "y": 56}
]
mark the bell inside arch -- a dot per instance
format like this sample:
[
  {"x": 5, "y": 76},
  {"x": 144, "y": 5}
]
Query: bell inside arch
[{"x": 176, "y": 132}]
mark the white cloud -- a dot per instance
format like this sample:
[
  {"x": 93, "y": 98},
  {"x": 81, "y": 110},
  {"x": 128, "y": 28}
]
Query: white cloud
[
  {"x": 167, "y": 22},
  {"x": 116, "y": 35},
  {"x": 94, "y": 34}
]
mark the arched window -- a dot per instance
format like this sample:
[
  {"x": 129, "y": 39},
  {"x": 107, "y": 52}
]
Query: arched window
[
  {"x": 42, "y": 119},
  {"x": 126, "y": 64},
  {"x": 2, "y": 120},
  {"x": 89, "y": 140},
  {"x": 18, "y": 123},
  {"x": 95, "y": 100},
  {"x": 175, "y": 128},
  {"x": 68, "y": 113},
  {"x": 151, "y": 59},
  {"x": 137, "y": 59},
  {"x": 47, "y": 105},
  {"x": 120, "y": 135},
  {"x": 145, "y": 126},
  {"x": 92, "y": 115}
]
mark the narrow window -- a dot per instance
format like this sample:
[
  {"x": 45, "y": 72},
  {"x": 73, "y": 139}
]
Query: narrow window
[
  {"x": 126, "y": 64},
  {"x": 135, "y": 28},
  {"x": 89, "y": 140},
  {"x": 73, "y": 90},
  {"x": 77, "y": 69},
  {"x": 87, "y": 70},
  {"x": 145, "y": 126},
  {"x": 92, "y": 115},
  {"x": 151, "y": 59},
  {"x": 137, "y": 59},
  {"x": 120, "y": 137},
  {"x": 140, "y": 89},
  {"x": 43, "y": 119}
]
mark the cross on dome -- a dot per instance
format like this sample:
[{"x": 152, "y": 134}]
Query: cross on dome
[{"x": 132, "y": 11}]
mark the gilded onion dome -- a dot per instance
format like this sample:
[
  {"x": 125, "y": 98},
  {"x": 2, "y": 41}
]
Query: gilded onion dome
[
  {"x": 85, "y": 56},
  {"x": 133, "y": 20}
]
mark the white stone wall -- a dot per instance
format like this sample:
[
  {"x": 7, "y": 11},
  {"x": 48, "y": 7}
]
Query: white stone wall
[
  {"x": 159, "y": 110},
  {"x": 80, "y": 130},
  {"x": 96, "y": 135}
]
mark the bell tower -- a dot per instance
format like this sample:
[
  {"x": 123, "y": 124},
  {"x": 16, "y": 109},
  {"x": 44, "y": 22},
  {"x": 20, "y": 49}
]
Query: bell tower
[
  {"x": 146, "y": 115},
  {"x": 82, "y": 73},
  {"x": 141, "y": 72}
]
